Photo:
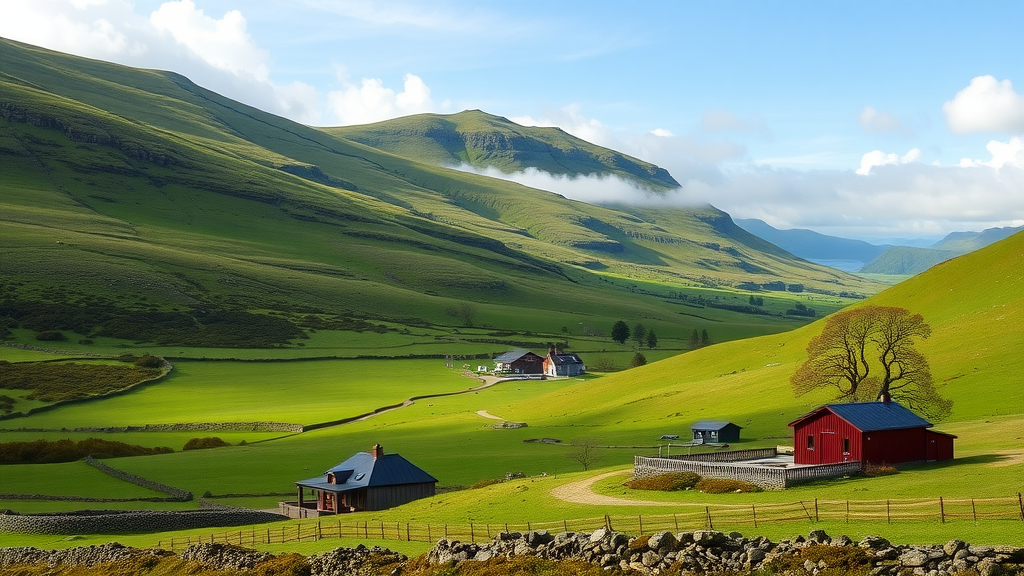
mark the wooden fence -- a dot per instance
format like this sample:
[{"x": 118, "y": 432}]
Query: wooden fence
[{"x": 690, "y": 517}]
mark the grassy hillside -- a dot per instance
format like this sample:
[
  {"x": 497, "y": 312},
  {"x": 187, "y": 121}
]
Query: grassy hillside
[
  {"x": 484, "y": 140},
  {"x": 142, "y": 210},
  {"x": 907, "y": 260}
]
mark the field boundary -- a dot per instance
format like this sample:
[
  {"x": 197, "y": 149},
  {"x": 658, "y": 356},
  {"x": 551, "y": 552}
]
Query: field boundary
[{"x": 696, "y": 517}]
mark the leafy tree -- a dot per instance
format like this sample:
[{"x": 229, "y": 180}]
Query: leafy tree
[
  {"x": 870, "y": 352},
  {"x": 652, "y": 340},
  {"x": 620, "y": 332},
  {"x": 585, "y": 451},
  {"x": 638, "y": 360},
  {"x": 705, "y": 340},
  {"x": 463, "y": 312},
  {"x": 639, "y": 334},
  {"x": 694, "y": 340}
]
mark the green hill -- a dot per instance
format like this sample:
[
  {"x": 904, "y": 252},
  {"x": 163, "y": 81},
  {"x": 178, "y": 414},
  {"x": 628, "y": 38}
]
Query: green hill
[
  {"x": 140, "y": 207},
  {"x": 484, "y": 140},
  {"x": 904, "y": 260}
]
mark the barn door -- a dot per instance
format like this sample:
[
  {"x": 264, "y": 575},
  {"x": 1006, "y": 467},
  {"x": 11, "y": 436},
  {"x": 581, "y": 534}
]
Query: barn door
[
  {"x": 831, "y": 450},
  {"x": 933, "y": 449}
]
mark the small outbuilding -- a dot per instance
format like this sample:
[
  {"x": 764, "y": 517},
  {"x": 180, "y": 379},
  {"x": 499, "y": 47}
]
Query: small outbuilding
[
  {"x": 366, "y": 481},
  {"x": 868, "y": 432},
  {"x": 715, "y": 432},
  {"x": 561, "y": 364},
  {"x": 519, "y": 362}
]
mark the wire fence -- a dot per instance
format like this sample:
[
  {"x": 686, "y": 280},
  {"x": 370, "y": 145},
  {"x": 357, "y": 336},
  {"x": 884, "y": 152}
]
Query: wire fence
[{"x": 694, "y": 517}]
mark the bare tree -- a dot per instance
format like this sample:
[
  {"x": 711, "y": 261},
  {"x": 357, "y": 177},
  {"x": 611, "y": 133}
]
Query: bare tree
[
  {"x": 855, "y": 342},
  {"x": 585, "y": 451}
]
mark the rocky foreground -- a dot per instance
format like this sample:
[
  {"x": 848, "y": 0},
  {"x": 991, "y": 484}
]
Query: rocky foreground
[{"x": 601, "y": 551}]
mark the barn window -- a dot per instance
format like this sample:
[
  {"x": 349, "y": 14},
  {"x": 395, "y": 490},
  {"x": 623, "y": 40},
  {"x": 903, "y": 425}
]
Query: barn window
[
  {"x": 810, "y": 442},
  {"x": 846, "y": 444}
]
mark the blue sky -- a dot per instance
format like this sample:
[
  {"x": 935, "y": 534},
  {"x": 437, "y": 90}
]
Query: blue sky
[{"x": 873, "y": 120}]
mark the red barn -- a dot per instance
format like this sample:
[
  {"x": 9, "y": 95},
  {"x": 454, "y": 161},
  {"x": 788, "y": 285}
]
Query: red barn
[{"x": 869, "y": 432}]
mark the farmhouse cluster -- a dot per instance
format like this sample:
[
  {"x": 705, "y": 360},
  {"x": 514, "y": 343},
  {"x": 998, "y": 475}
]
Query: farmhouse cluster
[
  {"x": 829, "y": 441},
  {"x": 527, "y": 363}
]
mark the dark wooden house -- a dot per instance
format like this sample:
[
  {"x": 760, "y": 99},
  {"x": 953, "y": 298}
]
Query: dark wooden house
[
  {"x": 868, "y": 432},
  {"x": 519, "y": 362},
  {"x": 561, "y": 364},
  {"x": 367, "y": 481},
  {"x": 714, "y": 432}
]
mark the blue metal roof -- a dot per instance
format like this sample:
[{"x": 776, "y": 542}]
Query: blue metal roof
[
  {"x": 873, "y": 416},
  {"x": 562, "y": 359},
  {"x": 364, "y": 471},
  {"x": 711, "y": 425}
]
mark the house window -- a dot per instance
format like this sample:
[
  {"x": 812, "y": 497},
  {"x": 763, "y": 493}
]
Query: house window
[
  {"x": 810, "y": 442},
  {"x": 846, "y": 445}
]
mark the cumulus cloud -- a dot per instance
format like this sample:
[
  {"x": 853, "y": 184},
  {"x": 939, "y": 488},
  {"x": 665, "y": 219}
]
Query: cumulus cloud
[
  {"x": 1003, "y": 154},
  {"x": 215, "y": 52},
  {"x": 879, "y": 158},
  {"x": 986, "y": 105},
  {"x": 223, "y": 43},
  {"x": 881, "y": 122},
  {"x": 370, "y": 101}
]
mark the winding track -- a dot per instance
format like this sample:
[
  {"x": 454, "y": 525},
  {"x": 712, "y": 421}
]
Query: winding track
[{"x": 580, "y": 492}]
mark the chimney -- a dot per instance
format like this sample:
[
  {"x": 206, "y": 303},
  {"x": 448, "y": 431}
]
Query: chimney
[
  {"x": 885, "y": 398},
  {"x": 377, "y": 451},
  {"x": 552, "y": 351}
]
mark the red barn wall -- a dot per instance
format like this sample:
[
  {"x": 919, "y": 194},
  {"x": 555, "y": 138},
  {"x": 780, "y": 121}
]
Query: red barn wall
[
  {"x": 829, "y": 432},
  {"x": 895, "y": 446},
  {"x": 940, "y": 446}
]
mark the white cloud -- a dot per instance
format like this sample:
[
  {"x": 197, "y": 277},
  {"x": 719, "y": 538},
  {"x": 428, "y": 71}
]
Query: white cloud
[
  {"x": 1003, "y": 154},
  {"x": 370, "y": 101},
  {"x": 223, "y": 43},
  {"x": 881, "y": 122},
  {"x": 986, "y": 105},
  {"x": 592, "y": 188},
  {"x": 662, "y": 133},
  {"x": 879, "y": 158},
  {"x": 568, "y": 118}
]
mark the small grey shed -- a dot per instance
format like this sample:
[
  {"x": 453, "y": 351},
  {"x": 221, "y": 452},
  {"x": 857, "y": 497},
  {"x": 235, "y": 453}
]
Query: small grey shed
[{"x": 714, "y": 431}]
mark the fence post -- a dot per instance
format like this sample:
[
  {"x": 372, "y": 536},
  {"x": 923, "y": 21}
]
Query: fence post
[
  {"x": 382, "y": 530},
  {"x": 815, "y": 509},
  {"x": 974, "y": 511},
  {"x": 753, "y": 512},
  {"x": 674, "y": 519},
  {"x": 802, "y": 505},
  {"x": 707, "y": 512},
  {"x": 398, "y": 530},
  {"x": 472, "y": 537},
  {"x": 640, "y": 521},
  {"x": 488, "y": 530},
  {"x": 607, "y": 522},
  {"x": 366, "y": 529},
  {"x": 847, "y": 511},
  {"x": 942, "y": 510},
  {"x": 565, "y": 525},
  {"x": 888, "y": 517},
  {"x": 1020, "y": 503}
]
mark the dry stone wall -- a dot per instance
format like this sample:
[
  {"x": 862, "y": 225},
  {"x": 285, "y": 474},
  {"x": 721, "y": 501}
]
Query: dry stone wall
[{"x": 130, "y": 521}]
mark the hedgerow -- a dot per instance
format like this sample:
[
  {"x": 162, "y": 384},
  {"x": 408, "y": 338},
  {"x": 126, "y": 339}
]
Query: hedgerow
[
  {"x": 47, "y": 452},
  {"x": 61, "y": 381}
]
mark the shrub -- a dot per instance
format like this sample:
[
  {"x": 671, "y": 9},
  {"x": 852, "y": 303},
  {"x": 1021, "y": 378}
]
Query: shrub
[
  {"x": 204, "y": 443},
  {"x": 149, "y": 361},
  {"x": 485, "y": 483},
  {"x": 666, "y": 482},
  {"x": 723, "y": 485},
  {"x": 45, "y": 451},
  {"x": 51, "y": 336},
  {"x": 840, "y": 561},
  {"x": 882, "y": 469},
  {"x": 639, "y": 543}
]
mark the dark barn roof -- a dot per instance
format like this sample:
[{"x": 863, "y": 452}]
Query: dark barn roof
[
  {"x": 560, "y": 359},
  {"x": 711, "y": 425},
  {"x": 364, "y": 471},
  {"x": 871, "y": 416},
  {"x": 512, "y": 356}
]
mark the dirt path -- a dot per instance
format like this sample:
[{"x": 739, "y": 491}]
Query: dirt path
[
  {"x": 487, "y": 414},
  {"x": 580, "y": 492}
]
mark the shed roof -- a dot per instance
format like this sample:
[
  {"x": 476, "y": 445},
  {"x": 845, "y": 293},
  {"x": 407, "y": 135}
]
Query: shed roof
[
  {"x": 871, "y": 416},
  {"x": 711, "y": 425},
  {"x": 560, "y": 359},
  {"x": 513, "y": 356},
  {"x": 364, "y": 471}
]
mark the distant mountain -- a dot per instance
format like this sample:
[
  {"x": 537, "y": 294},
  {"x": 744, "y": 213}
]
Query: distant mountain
[
  {"x": 969, "y": 241},
  {"x": 811, "y": 245},
  {"x": 906, "y": 260},
  {"x": 485, "y": 140}
]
